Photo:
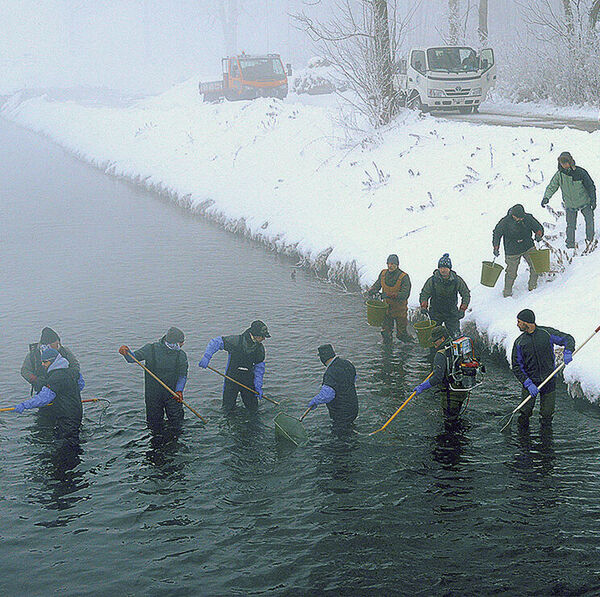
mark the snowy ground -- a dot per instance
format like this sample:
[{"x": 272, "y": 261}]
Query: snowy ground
[{"x": 289, "y": 174}]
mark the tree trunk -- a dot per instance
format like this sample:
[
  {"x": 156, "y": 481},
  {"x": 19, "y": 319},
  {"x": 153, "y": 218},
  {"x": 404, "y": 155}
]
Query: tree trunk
[
  {"x": 569, "y": 20},
  {"x": 228, "y": 13},
  {"x": 483, "y": 21},
  {"x": 453, "y": 24},
  {"x": 383, "y": 58}
]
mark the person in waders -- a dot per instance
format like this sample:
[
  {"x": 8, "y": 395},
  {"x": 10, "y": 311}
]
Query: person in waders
[
  {"x": 454, "y": 370},
  {"x": 168, "y": 361},
  {"x": 443, "y": 288},
  {"x": 394, "y": 284},
  {"x": 533, "y": 362},
  {"x": 63, "y": 385},
  {"x": 246, "y": 364},
  {"x": 338, "y": 390},
  {"x": 32, "y": 370}
]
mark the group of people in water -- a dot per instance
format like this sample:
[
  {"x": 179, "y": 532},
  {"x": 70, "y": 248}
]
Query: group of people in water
[{"x": 53, "y": 371}]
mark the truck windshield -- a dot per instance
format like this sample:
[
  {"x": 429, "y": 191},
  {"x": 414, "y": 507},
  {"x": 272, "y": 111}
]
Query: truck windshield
[
  {"x": 262, "y": 69},
  {"x": 452, "y": 60}
]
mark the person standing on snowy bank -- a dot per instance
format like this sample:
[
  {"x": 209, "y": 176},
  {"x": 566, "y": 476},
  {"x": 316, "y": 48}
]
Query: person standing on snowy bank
[
  {"x": 578, "y": 193},
  {"x": 395, "y": 286},
  {"x": 246, "y": 364},
  {"x": 443, "y": 288},
  {"x": 533, "y": 361},
  {"x": 63, "y": 385},
  {"x": 516, "y": 227}
]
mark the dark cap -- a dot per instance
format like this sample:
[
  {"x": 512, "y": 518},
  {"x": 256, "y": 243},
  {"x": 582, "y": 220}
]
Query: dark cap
[
  {"x": 445, "y": 261},
  {"x": 258, "y": 328},
  {"x": 439, "y": 332},
  {"x": 526, "y": 315},
  {"x": 49, "y": 336},
  {"x": 326, "y": 352},
  {"x": 174, "y": 335},
  {"x": 565, "y": 157},
  {"x": 517, "y": 210},
  {"x": 393, "y": 258}
]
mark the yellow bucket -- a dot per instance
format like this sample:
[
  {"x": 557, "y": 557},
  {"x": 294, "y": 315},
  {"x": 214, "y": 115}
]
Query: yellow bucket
[
  {"x": 424, "y": 329},
  {"x": 541, "y": 260},
  {"x": 376, "y": 311}
]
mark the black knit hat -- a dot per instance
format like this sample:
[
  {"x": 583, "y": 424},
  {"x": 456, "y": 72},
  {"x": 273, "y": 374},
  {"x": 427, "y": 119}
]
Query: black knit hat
[
  {"x": 445, "y": 261},
  {"x": 174, "y": 335},
  {"x": 526, "y": 315},
  {"x": 517, "y": 210},
  {"x": 258, "y": 328},
  {"x": 326, "y": 352},
  {"x": 393, "y": 258},
  {"x": 565, "y": 157},
  {"x": 49, "y": 336}
]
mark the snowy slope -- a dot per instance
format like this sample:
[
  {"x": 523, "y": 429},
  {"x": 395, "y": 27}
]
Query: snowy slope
[{"x": 290, "y": 174}]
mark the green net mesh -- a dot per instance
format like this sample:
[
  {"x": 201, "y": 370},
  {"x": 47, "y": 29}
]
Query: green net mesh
[{"x": 290, "y": 429}]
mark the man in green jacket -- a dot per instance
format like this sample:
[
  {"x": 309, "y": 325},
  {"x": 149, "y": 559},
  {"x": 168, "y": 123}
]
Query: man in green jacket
[
  {"x": 579, "y": 194},
  {"x": 443, "y": 288}
]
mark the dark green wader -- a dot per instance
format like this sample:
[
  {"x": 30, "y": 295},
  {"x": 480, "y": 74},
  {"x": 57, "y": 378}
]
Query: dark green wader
[{"x": 546, "y": 408}]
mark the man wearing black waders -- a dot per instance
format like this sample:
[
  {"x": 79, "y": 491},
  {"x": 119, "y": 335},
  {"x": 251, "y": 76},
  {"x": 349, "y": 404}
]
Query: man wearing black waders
[
  {"x": 32, "y": 370},
  {"x": 246, "y": 365},
  {"x": 533, "y": 362},
  {"x": 166, "y": 359},
  {"x": 62, "y": 389},
  {"x": 454, "y": 369},
  {"x": 338, "y": 390}
]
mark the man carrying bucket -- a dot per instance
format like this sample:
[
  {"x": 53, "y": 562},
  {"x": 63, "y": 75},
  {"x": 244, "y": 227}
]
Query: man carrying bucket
[
  {"x": 516, "y": 228},
  {"x": 395, "y": 286},
  {"x": 578, "y": 193},
  {"x": 443, "y": 288},
  {"x": 338, "y": 390}
]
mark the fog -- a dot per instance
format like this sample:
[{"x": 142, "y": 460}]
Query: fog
[{"x": 146, "y": 46}]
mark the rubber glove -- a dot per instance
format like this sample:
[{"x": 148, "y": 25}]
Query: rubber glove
[
  {"x": 422, "y": 387},
  {"x": 19, "y": 408},
  {"x": 124, "y": 350},
  {"x": 179, "y": 397},
  {"x": 531, "y": 387},
  {"x": 204, "y": 362},
  {"x": 567, "y": 356}
]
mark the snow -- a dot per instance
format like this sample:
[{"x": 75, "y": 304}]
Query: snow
[
  {"x": 290, "y": 174},
  {"x": 500, "y": 105}
]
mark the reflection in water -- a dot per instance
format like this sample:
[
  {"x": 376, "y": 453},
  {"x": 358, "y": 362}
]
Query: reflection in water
[
  {"x": 450, "y": 444},
  {"x": 337, "y": 468},
  {"x": 535, "y": 456}
]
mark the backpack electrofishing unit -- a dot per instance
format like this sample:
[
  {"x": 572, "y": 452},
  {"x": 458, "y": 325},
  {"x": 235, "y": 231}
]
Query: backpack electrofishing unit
[{"x": 463, "y": 366}]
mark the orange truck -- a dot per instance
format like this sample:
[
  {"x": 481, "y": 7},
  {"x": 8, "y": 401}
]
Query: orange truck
[{"x": 247, "y": 77}]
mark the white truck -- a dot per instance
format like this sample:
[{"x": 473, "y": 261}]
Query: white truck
[{"x": 446, "y": 78}]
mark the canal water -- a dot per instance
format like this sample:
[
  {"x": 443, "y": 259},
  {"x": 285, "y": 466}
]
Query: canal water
[{"x": 223, "y": 509}]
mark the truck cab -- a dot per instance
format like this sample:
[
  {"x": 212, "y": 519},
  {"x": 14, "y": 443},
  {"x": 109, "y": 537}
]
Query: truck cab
[
  {"x": 249, "y": 77},
  {"x": 446, "y": 78}
]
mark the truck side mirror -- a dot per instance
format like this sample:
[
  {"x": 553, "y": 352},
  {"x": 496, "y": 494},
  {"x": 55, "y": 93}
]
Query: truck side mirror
[
  {"x": 288, "y": 68},
  {"x": 485, "y": 64}
]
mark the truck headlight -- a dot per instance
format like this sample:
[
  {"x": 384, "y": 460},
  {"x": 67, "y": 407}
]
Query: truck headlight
[
  {"x": 476, "y": 91},
  {"x": 436, "y": 93}
]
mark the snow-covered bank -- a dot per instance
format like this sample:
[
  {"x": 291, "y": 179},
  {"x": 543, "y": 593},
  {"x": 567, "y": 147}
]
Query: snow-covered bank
[{"x": 295, "y": 178}]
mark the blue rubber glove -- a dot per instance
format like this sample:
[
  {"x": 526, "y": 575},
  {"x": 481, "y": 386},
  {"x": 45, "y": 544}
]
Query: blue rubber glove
[
  {"x": 213, "y": 346},
  {"x": 204, "y": 362},
  {"x": 531, "y": 387},
  {"x": 422, "y": 387},
  {"x": 567, "y": 356},
  {"x": 19, "y": 408}
]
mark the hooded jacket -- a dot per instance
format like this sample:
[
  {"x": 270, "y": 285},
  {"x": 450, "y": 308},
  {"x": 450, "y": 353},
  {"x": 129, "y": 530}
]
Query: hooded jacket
[
  {"x": 34, "y": 373},
  {"x": 578, "y": 188},
  {"x": 517, "y": 235}
]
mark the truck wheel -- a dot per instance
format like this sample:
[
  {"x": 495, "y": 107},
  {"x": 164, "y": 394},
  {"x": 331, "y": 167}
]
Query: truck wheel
[
  {"x": 465, "y": 109},
  {"x": 414, "y": 103}
]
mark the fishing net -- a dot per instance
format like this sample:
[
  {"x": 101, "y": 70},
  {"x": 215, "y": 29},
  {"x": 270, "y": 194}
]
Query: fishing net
[{"x": 290, "y": 429}]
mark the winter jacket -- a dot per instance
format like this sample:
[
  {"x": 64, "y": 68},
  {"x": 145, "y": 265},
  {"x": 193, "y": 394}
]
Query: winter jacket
[
  {"x": 170, "y": 366},
  {"x": 391, "y": 279},
  {"x": 517, "y": 235},
  {"x": 341, "y": 376},
  {"x": 444, "y": 293},
  {"x": 578, "y": 188},
  {"x": 34, "y": 373},
  {"x": 533, "y": 355}
]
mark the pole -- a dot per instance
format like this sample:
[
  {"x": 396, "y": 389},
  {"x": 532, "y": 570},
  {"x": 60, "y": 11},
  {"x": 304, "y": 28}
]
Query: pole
[{"x": 240, "y": 384}]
